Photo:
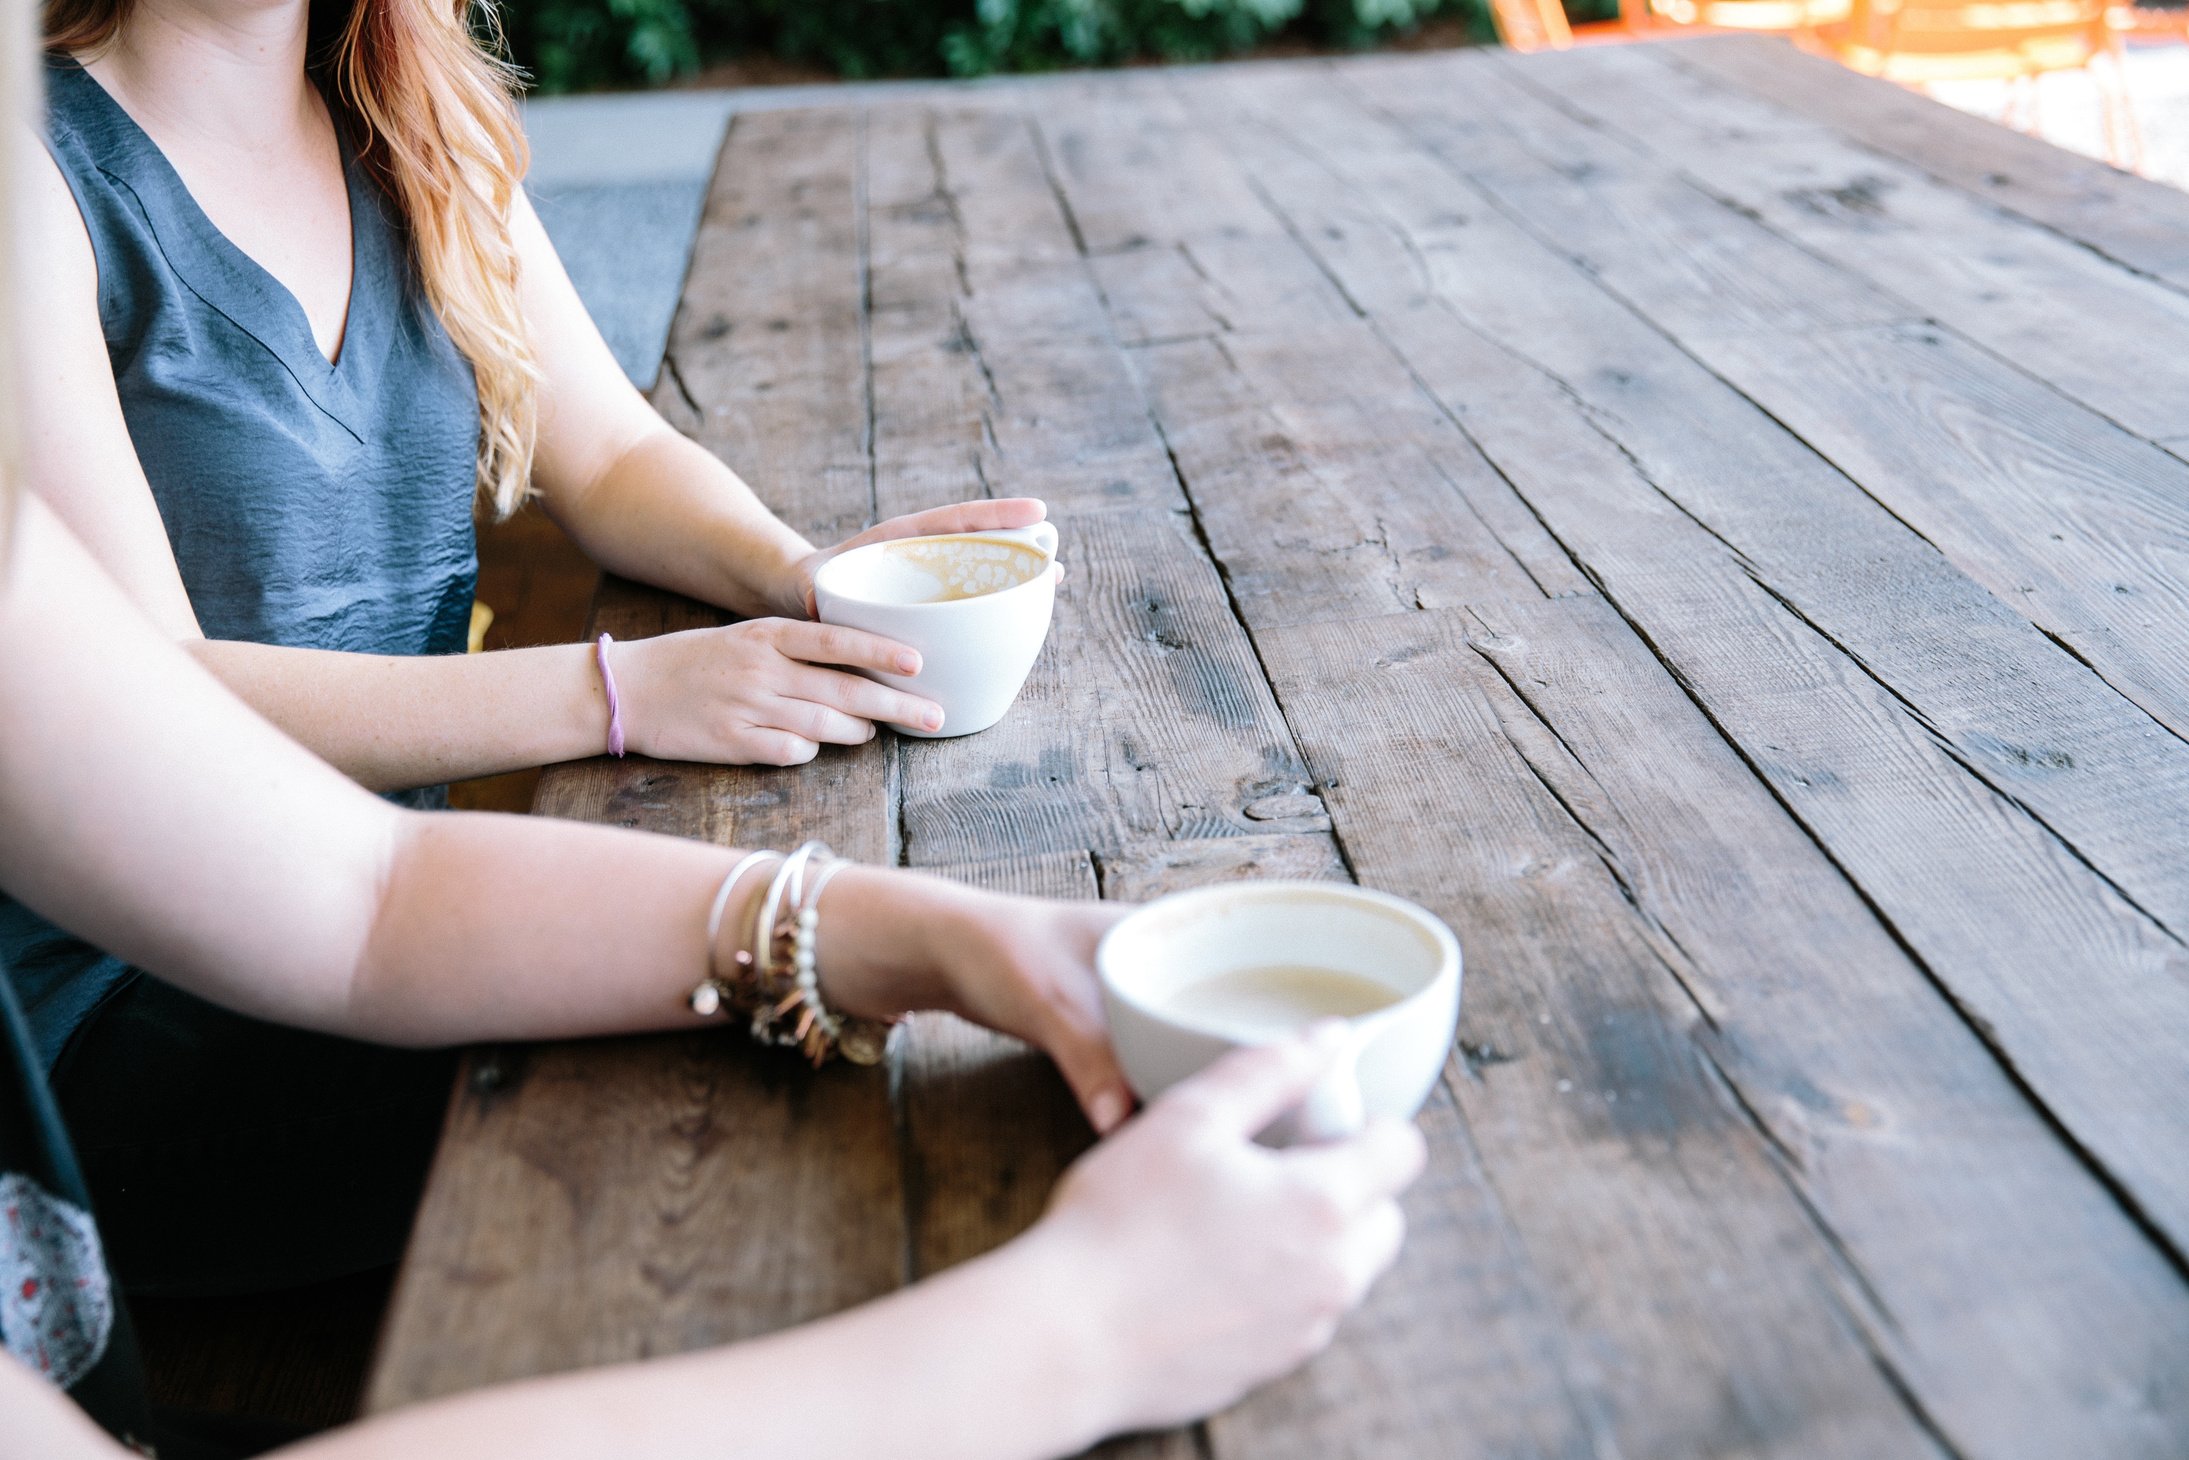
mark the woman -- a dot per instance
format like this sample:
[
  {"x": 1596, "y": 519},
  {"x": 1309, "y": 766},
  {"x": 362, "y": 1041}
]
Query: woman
[
  {"x": 295, "y": 308},
  {"x": 1179, "y": 1263},
  {"x": 294, "y": 314}
]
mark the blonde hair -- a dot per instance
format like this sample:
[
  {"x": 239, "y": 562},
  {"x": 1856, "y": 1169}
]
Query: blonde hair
[{"x": 433, "y": 115}]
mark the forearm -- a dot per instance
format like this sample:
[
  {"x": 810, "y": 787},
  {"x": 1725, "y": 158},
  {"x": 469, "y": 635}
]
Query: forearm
[
  {"x": 668, "y": 512},
  {"x": 985, "y": 1362},
  {"x": 391, "y": 722},
  {"x": 506, "y": 927}
]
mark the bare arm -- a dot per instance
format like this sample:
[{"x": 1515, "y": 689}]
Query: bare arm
[
  {"x": 759, "y": 692},
  {"x": 150, "y": 811},
  {"x": 1181, "y": 1263}
]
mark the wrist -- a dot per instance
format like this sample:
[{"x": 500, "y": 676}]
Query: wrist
[
  {"x": 768, "y": 574},
  {"x": 886, "y": 940},
  {"x": 1052, "y": 1338}
]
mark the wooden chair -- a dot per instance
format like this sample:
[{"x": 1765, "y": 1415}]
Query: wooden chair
[
  {"x": 1531, "y": 25},
  {"x": 1918, "y": 42},
  {"x": 1798, "y": 18}
]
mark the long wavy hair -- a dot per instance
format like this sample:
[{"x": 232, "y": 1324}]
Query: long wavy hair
[{"x": 430, "y": 109}]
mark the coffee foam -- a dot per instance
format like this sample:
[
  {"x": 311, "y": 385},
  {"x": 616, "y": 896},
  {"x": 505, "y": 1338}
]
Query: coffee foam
[{"x": 948, "y": 569}]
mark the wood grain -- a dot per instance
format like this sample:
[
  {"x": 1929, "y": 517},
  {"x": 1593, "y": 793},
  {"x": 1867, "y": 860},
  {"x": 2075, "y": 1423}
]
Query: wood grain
[
  {"x": 1995, "y": 1278},
  {"x": 766, "y": 363},
  {"x": 1574, "y": 353},
  {"x": 996, "y": 371},
  {"x": 2112, "y": 338},
  {"x": 1532, "y": 487},
  {"x": 1648, "y": 470},
  {"x": 2081, "y": 526},
  {"x": 2054, "y": 509},
  {"x": 1686, "y": 1300},
  {"x": 2143, "y": 224}
]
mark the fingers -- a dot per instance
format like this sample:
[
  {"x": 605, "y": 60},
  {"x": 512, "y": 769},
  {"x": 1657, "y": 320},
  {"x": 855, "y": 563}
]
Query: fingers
[
  {"x": 1370, "y": 1246},
  {"x": 864, "y": 698},
  {"x": 1367, "y": 1169},
  {"x": 1248, "y": 1088},
  {"x": 772, "y": 747},
  {"x": 958, "y": 517},
  {"x": 1089, "y": 1065},
  {"x": 851, "y": 648},
  {"x": 822, "y": 724}
]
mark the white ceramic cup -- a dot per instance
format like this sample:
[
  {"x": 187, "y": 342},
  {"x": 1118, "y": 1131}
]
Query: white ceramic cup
[
  {"x": 1394, "y": 1054},
  {"x": 976, "y": 605}
]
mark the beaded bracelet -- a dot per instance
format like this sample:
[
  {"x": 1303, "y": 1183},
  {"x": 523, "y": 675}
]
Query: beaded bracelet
[{"x": 777, "y": 985}]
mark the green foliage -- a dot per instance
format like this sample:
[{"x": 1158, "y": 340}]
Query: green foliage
[{"x": 570, "y": 44}]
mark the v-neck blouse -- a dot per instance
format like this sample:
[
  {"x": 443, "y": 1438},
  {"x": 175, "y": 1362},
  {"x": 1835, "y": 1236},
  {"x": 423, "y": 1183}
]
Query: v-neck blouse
[{"x": 313, "y": 504}]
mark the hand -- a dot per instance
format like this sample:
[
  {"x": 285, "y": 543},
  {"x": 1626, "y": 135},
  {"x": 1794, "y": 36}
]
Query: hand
[
  {"x": 794, "y": 597},
  {"x": 760, "y": 692},
  {"x": 894, "y": 942},
  {"x": 1206, "y": 1264}
]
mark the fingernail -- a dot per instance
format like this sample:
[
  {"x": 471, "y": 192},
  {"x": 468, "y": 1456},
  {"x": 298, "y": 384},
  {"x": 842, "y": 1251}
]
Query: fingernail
[
  {"x": 1106, "y": 1110},
  {"x": 909, "y": 663},
  {"x": 932, "y": 719}
]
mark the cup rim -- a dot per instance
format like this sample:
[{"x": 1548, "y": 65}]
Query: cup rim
[
  {"x": 1450, "y": 963},
  {"x": 820, "y": 578}
]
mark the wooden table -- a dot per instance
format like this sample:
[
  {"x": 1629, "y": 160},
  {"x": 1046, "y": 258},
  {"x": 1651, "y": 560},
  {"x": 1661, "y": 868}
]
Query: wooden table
[{"x": 1711, "y": 526}]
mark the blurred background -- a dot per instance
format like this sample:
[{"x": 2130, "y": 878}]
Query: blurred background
[{"x": 578, "y": 45}]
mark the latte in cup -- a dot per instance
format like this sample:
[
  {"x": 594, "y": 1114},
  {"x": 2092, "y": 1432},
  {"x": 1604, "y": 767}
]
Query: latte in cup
[
  {"x": 951, "y": 569},
  {"x": 1190, "y": 977},
  {"x": 1273, "y": 999},
  {"x": 976, "y": 605}
]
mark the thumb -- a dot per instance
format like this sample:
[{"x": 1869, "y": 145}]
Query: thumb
[{"x": 1248, "y": 1088}]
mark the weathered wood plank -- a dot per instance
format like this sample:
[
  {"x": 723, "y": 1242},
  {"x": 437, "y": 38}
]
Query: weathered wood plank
[
  {"x": 1908, "y": 616},
  {"x": 766, "y": 364},
  {"x": 575, "y": 1211},
  {"x": 2099, "y": 332},
  {"x": 1327, "y": 483},
  {"x": 989, "y": 1124},
  {"x": 2058, "y": 511},
  {"x": 2001, "y": 1283},
  {"x": 1147, "y": 717},
  {"x": 995, "y": 369},
  {"x": 2143, "y": 224},
  {"x": 1118, "y": 147},
  {"x": 1799, "y": 522},
  {"x": 1622, "y": 445},
  {"x": 1695, "y": 1307},
  {"x": 1625, "y": 448},
  {"x": 2077, "y": 524},
  {"x": 578, "y": 1210},
  {"x": 1153, "y": 869}
]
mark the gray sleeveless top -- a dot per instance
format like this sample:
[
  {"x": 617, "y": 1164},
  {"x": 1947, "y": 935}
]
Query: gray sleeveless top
[{"x": 310, "y": 504}]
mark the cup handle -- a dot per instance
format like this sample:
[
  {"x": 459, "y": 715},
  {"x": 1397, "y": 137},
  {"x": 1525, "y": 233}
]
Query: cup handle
[
  {"x": 1041, "y": 537},
  {"x": 1334, "y": 1109}
]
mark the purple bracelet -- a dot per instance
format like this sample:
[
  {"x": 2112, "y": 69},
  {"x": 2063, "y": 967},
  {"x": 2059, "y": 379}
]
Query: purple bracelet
[{"x": 615, "y": 706}]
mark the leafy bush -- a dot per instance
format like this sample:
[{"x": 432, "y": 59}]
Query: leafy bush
[{"x": 567, "y": 44}]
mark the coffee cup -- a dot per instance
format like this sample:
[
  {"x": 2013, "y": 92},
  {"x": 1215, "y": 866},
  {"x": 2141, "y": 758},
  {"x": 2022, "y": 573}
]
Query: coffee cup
[
  {"x": 1191, "y": 976},
  {"x": 976, "y": 605}
]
